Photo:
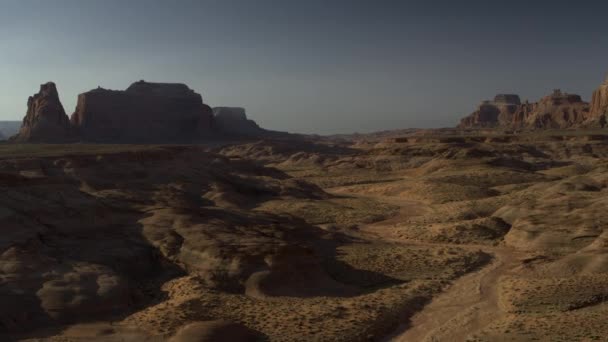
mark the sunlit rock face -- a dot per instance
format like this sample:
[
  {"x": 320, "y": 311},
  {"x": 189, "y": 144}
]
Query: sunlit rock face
[
  {"x": 599, "y": 101},
  {"x": 557, "y": 110},
  {"x": 493, "y": 113}
]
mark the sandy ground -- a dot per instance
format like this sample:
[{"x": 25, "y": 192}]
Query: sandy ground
[{"x": 456, "y": 240}]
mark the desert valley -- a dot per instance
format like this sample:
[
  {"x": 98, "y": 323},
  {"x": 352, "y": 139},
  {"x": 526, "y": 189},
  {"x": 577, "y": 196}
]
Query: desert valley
[{"x": 149, "y": 216}]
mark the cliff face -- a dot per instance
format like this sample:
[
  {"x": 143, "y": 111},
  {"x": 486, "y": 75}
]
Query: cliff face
[
  {"x": 558, "y": 110},
  {"x": 599, "y": 102},
  {"x": 233, "y": 121},
  {"x": 493, "y": 113},
  {"x": 45, "y": 120},
  {"x": 145, "y": 112}
]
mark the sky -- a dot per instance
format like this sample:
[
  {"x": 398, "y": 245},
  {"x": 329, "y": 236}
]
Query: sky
[{"x": 314, "y": 66}]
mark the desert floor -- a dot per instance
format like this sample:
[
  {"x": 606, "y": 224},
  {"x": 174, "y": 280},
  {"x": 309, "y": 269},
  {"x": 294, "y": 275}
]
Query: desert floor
[{"x": 480, "y": 237}]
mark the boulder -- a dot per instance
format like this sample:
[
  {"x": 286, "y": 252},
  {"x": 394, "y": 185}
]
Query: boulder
[
  {"x": 45, "y": 120},
  {"x": 145, "y": 112}
]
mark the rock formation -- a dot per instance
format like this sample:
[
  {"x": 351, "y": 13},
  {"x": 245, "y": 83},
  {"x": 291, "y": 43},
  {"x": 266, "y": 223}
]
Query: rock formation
[
  {"x": 558, "y": 110},
  {"x": 233, "y": 121},
  {"x": 493, "y": 113},
  {"x": 45, "y": 120},
  {"x": 145, "y": 112},
  {"x": 599, "y": 102}
]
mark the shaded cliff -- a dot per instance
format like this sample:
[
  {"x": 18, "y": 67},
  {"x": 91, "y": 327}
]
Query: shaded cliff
[
  {"x": 234, "y": 121},
  {"x": 45, "y": 120},
  {"x": 145, "y": 112}
]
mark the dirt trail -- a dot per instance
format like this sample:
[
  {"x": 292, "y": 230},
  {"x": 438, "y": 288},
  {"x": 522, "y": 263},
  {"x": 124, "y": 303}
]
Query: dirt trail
[{"x": 468, "y": 305}]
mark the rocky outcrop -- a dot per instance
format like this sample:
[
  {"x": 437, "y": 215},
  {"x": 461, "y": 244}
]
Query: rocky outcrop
[
  {"x": 145, "y": 112},
  {"x": 493, "y": 113},
  {"x": 599, "y": 102},
  {"x": 558, "y": 110},
  {"x": 233, "y": 121},
  {"x": 45, "y": 120}
]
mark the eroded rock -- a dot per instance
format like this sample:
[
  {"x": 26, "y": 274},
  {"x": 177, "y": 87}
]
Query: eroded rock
[
  {"x": 145, "y": 112},
  {"x": 45, "y": 120}
]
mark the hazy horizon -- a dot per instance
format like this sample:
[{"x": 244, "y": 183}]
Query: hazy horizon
[{"x": 308, "y": 67}]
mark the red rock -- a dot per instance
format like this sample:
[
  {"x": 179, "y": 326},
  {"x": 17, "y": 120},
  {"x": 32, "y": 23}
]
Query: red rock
[
  {"x": 233, "y": 121},
  {"x": 599, "y": 102},
  {"x": 493, "y": 113},
  {"x": 558, "y": 110},
  {"x": 145, "y": 112},
  {"x": 45, "y": 120}
]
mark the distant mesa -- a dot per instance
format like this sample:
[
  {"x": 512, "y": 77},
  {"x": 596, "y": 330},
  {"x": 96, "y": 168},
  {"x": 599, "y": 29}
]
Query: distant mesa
[
  {"x": 507, "y": 99},
  {"x": 234, "y": 121},
  {"x": 493, "y": 113},
  {"x": 143, "y": 113},
  {"x": 557, "y": 110}
]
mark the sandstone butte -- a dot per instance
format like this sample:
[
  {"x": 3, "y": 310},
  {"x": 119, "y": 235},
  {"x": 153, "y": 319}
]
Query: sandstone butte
[
  {"x": 233, "y": 120},
  {"x": 557, "y": 110},
  {"x": 143, "y": 113},
  {"x": 45, "y": 120}
]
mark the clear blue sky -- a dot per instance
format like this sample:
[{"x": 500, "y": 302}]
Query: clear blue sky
[{"x": 314, "y": 66}]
